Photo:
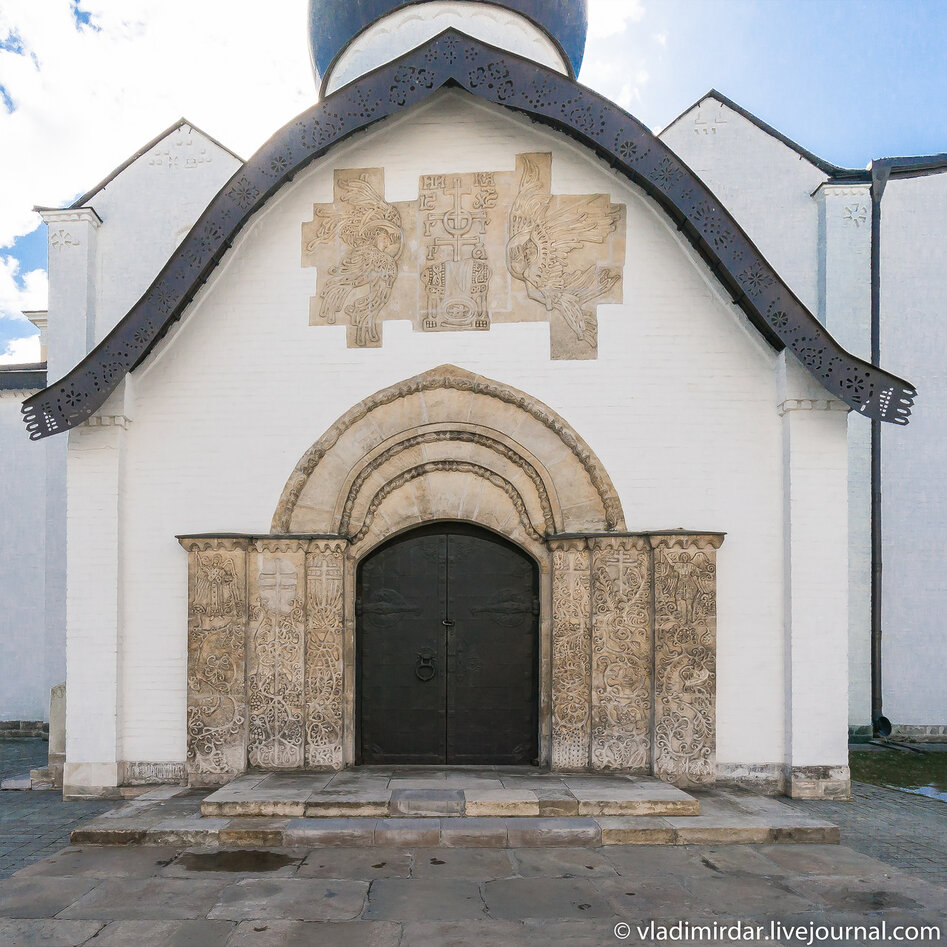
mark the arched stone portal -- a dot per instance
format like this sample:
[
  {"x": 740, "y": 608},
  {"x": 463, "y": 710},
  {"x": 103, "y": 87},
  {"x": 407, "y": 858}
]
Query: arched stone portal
[{"x": 627, "y": 621}]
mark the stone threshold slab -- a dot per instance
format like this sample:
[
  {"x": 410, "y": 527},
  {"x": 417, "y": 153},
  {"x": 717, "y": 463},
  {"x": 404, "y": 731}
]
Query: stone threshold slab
[
  {"x": 474, "y": 794},
  {"x": 729, "y": 818}
]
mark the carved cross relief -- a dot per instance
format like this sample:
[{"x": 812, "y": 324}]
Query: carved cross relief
[{"x": 472, "y": 250}]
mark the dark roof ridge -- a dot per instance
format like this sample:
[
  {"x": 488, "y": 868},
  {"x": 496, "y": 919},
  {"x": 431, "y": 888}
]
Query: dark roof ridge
[{"x": 453, "y": 59}]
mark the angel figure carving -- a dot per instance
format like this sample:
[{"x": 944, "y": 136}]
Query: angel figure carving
[
  {"x": 360, "y": 285},
  {"x": 542, "y": 237}
]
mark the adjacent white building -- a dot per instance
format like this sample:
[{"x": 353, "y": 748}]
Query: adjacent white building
[{"x": 463, "y": 289}]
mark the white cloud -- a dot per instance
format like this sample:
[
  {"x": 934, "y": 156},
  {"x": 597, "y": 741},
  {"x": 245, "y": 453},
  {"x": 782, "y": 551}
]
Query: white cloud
[
  {"x": 608, "y": 17},
  {"x": 19, "y": 293},
  {"x": 622, "y": 82},
  {"x": 21, "y": 351},
  {"x": 87, "y": 97}
]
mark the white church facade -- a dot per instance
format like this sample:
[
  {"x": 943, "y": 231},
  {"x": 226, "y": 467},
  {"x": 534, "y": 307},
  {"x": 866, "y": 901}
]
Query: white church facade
[{"x": 467, "y": 422}]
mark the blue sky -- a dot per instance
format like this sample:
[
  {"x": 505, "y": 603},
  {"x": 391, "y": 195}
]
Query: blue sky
[{"x": 84, "y": 84}]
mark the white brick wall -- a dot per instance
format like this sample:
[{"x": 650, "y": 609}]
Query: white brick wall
[
  {"x": 914, "y": 331},
  {"x": 681, "y": 407},
  {"x": 24, "y": 691}
]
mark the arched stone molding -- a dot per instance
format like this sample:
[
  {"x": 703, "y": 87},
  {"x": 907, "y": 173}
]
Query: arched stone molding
[
  {"x": 627, "y": 621},
  {"x": 450, "y": 415}
]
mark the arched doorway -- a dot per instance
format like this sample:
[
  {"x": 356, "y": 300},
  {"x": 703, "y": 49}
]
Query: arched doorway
[{"x": 447, "y": 650}]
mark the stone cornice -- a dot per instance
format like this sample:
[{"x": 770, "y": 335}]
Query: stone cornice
[
  {"x": 810, "y": 404},
  {"x": 60, "y": 215}
]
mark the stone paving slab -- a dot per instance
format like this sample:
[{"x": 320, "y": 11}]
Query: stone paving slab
[
  {"x": 311, "y": 933},
  {"x": 301, "y": 899},
  {"x": 435, "y": 896},
  {"x": 192, "y": 933},
  {"x": 142, "y": 898}
]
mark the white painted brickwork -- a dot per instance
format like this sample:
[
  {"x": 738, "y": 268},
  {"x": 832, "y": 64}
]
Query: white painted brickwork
[
  {"x": 24, "y": 692},
  {"x": 681, "y": 407},
  {"x": 818, "y": 238},
  {"x": 914, "y": 327},
  {"x": 100, "y": 262}
]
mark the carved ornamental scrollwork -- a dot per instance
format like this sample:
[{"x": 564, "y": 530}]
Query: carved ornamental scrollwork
[
  {"x": 621, "y": 654},
  {"x": 571, "y": 654},
  {"x": 265, "y": 655},
  {"x": 275, "y": 653},
  {"x": 473, "y": 249},
  {"x": 216, "y": 666},
  {"x": 685, "y": 653},
  {"x": 633, "y": 654},
  {"x": 324, "y": 653}
]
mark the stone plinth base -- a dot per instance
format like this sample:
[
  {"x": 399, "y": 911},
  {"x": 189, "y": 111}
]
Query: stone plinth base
[{"x": 820, "y": 782}]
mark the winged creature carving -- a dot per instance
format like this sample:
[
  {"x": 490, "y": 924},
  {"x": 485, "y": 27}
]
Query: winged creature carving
[
  {"x": 360, "y": 285},
  {"x": 541, "y": 238}
]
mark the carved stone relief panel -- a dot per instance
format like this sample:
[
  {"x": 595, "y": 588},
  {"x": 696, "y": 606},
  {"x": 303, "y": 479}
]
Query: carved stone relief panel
[
  {"x": 571, "y": 654},
  {"x": 324, "y": 653},
  {"x": 472, "y": 250},
  {"x": 621, "y": 654},
  {"x": 275, "y": 654},
  {"x": 217, "y": 627},
  {"x": 685, "y": 644}
]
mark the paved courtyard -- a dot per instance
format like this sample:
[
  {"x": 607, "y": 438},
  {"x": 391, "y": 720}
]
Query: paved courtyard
[{"x": 889, "y": 870}]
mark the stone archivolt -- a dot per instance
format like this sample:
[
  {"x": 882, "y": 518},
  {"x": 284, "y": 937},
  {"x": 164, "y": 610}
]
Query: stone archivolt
[
  {"x": 473, "y": 249},
  {"x": 411, "y": 423}
]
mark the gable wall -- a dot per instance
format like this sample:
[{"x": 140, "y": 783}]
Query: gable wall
[
  {"x": 680, "y": 407},
  {"x": 146, "y": 212},
  {"x": 762, "y": 182}
]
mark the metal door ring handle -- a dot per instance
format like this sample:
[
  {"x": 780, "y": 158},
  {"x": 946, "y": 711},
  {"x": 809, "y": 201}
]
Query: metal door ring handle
[{"x": 425, "y": 669}]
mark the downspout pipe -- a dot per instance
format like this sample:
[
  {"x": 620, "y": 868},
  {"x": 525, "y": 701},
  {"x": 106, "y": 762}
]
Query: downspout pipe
[{"x": 881, "y": 726}]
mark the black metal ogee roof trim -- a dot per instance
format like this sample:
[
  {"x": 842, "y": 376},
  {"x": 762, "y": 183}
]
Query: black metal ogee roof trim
[{"x": 452, "y": 58}]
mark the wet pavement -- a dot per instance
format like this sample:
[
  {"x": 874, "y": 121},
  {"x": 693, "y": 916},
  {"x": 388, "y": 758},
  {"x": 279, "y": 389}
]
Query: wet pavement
[{"x": 146, "y": 895}]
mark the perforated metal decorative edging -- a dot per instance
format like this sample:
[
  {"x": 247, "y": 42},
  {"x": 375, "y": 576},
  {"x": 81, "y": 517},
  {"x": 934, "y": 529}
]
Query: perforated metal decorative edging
[{"x": 453, "y": 58}]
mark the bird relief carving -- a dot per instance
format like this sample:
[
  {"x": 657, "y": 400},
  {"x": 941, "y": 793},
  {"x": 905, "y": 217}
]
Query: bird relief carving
[{"x": 473, "y": 250}]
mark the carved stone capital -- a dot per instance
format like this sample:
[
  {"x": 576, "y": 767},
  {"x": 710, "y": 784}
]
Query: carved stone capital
[
  {"x": 208, "y": 543},
  {"x": 285, "y": 544},
  {"x": 628, "y": 542},
  {"x": 572, "y": 544},
  {"x": 686, "y": 540}
]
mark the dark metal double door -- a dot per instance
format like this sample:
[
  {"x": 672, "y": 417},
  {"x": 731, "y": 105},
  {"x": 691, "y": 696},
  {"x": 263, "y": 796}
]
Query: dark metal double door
[{"x": 447, "y": 650}]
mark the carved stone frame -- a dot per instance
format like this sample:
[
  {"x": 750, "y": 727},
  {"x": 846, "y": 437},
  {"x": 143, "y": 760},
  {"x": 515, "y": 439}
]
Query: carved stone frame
[
  {"x": 627, "y": 653},
  {"x": 627, "y": 643}
]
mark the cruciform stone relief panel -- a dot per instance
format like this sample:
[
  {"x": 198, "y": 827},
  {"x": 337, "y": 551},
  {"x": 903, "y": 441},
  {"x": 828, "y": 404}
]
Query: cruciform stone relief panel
[{"x": 473, "y": 249}]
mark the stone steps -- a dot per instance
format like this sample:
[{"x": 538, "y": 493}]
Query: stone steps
[
  {"x": 521, "y": 832},
  {"x": 446, "y": 796},
  {"x": 172, "y": 816}
]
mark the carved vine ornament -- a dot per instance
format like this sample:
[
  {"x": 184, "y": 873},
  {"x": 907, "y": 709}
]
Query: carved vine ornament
[{"x": 526, "y": 87}]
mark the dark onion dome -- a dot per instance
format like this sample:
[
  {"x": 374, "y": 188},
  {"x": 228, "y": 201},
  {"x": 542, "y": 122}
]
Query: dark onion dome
[{"x": 333, "y": 24}]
